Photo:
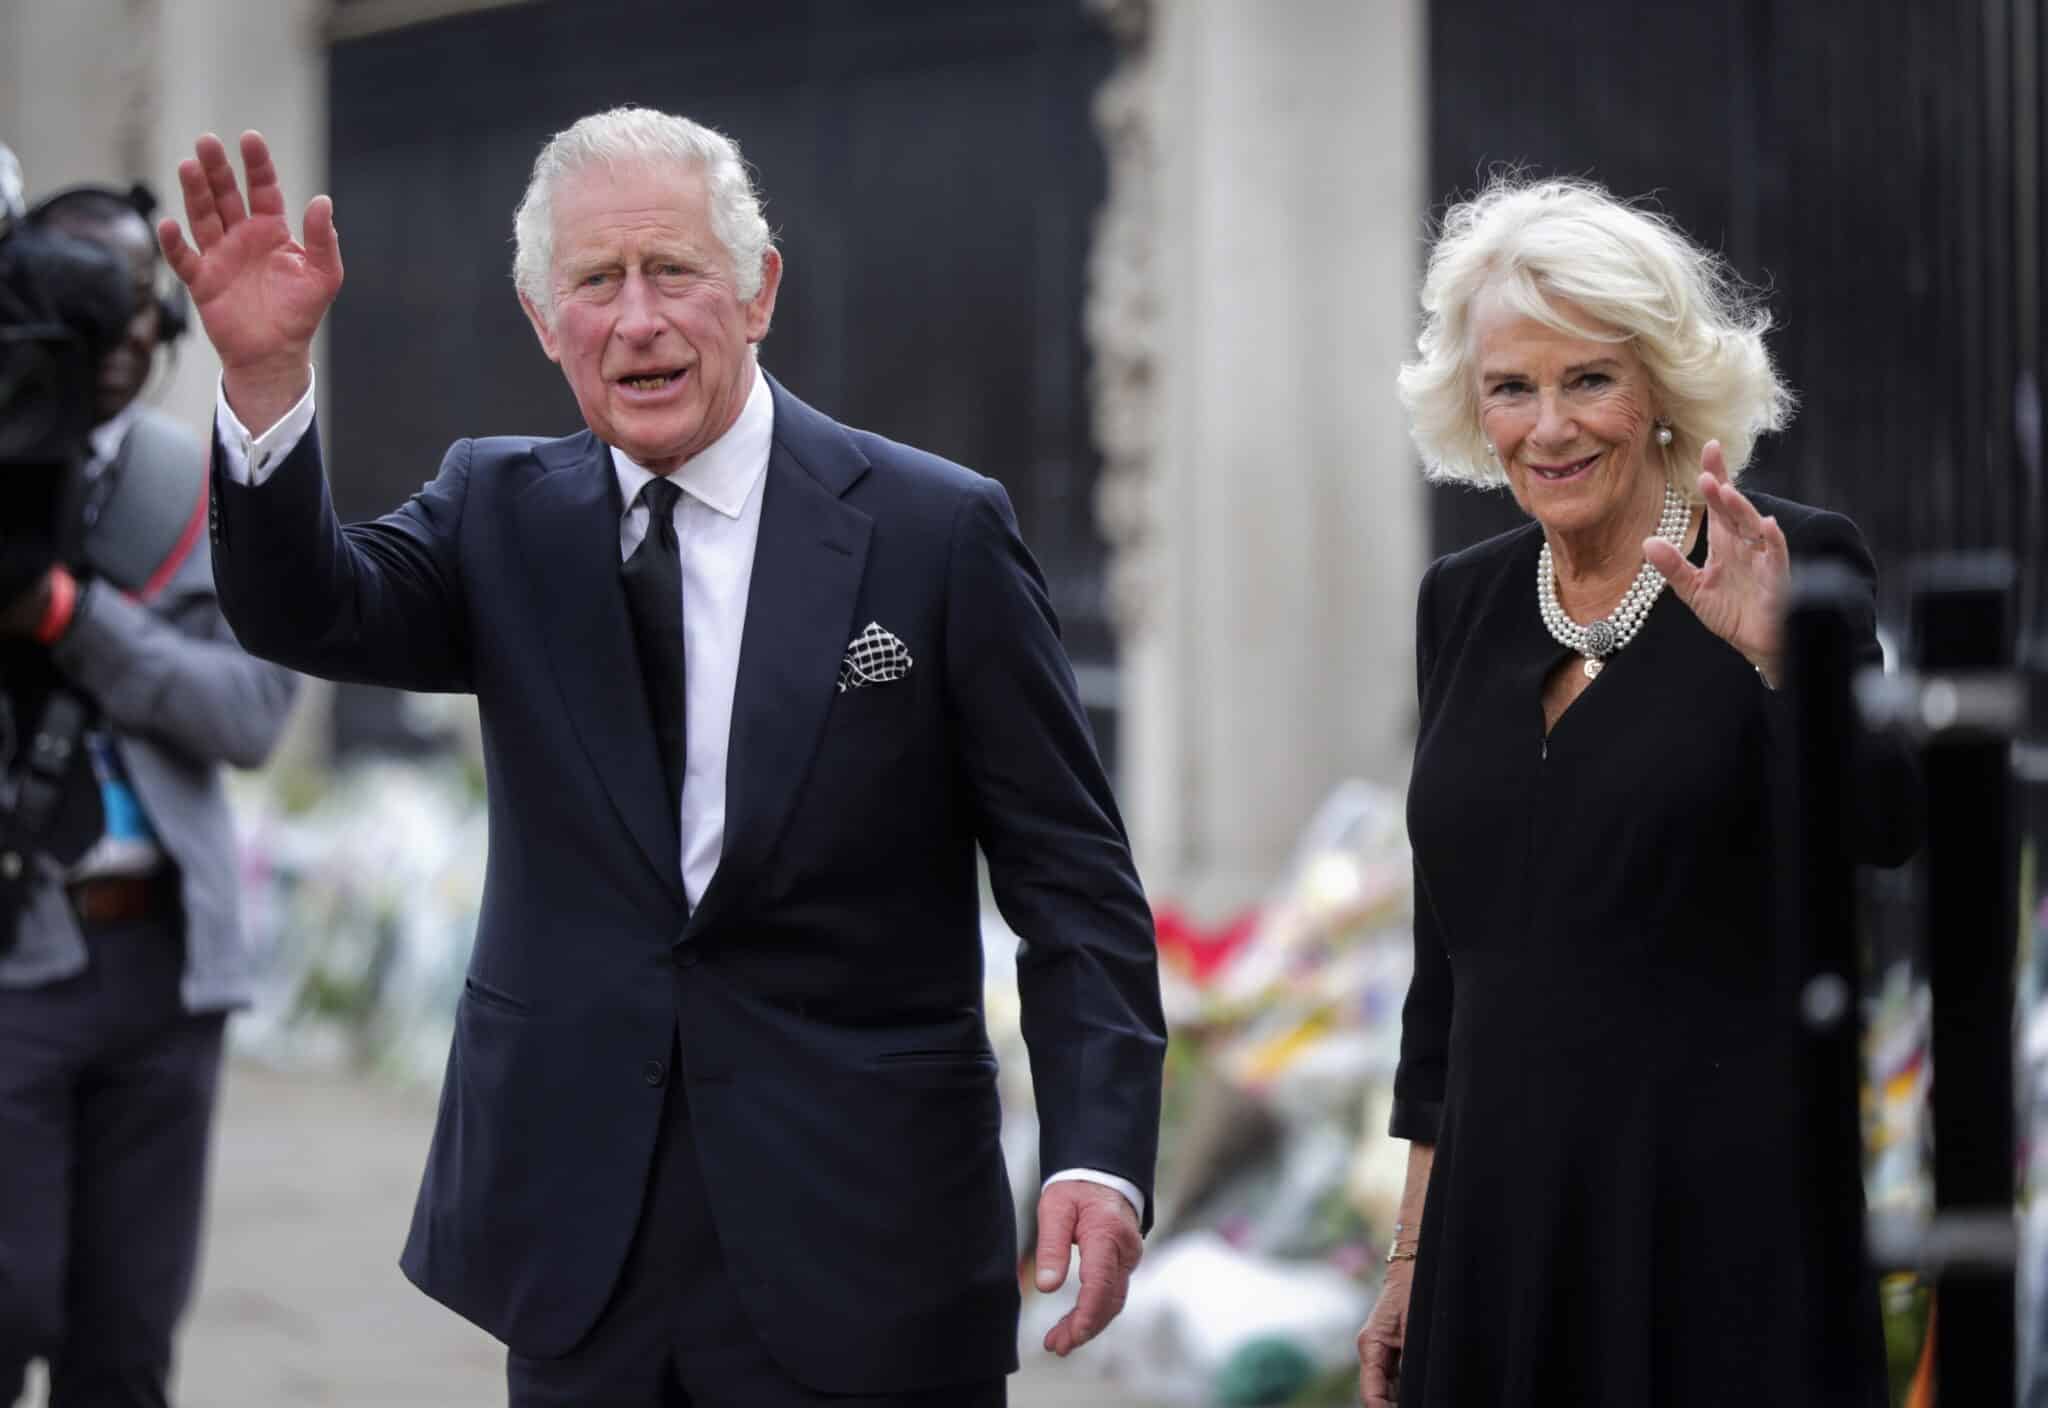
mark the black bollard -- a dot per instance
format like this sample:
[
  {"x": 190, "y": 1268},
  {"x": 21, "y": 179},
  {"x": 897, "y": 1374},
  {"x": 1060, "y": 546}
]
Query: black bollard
[
  {"x": 1818, "y": 991},
  {"x": 1970, "y": 712}
]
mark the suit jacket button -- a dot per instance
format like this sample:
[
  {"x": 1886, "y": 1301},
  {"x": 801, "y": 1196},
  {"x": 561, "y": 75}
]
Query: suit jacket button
[
  {"x": 654, "y": 1073},
  {"x": 686, "y": 956}
]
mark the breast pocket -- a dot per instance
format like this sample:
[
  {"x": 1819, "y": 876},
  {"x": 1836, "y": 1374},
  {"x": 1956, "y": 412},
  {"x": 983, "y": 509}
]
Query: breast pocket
[
  {"x": 874, "y": 787},
  {"x": 873, "y": 723}
]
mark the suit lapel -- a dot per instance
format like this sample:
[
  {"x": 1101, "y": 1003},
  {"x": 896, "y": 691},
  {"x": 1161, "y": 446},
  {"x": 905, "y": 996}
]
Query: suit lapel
[
  {"x": 568, "y": 525},
  {"x": 808, "y": 561}
]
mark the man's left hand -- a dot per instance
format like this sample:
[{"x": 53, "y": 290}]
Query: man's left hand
[
  {"x": 1102, "y": 1223},
  {"x": 21, "y": 616}
]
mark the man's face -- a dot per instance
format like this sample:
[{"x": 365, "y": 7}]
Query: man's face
[
  {"x": 125, "y": 369},
  {"x": 648, "y": 326}
]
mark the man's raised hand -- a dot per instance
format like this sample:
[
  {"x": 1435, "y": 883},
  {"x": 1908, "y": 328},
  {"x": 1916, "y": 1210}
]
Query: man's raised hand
[{"x": 259, "y": 293}]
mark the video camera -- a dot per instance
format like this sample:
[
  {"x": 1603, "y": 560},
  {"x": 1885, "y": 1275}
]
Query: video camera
[{"x": 63, "y": 304}]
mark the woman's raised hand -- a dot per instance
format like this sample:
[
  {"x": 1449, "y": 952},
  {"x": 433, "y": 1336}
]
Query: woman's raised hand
[{"x": 1739, "y": 594}]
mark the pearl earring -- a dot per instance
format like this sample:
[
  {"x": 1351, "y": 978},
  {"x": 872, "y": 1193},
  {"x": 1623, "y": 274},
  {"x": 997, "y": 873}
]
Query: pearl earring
[
  {"x": 1663, "y": 433},
  {"x": 1491, "y": 453}
]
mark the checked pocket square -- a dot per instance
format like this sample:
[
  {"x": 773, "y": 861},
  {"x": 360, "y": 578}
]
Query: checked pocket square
[{"x": 873, "y": 657}]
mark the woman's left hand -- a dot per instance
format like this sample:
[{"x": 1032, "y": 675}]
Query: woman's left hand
[{"x": 1740, "y": 594}]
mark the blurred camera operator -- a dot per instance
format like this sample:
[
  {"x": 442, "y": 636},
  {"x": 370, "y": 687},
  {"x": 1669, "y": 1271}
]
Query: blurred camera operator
[{"x": 114, "y": 994}]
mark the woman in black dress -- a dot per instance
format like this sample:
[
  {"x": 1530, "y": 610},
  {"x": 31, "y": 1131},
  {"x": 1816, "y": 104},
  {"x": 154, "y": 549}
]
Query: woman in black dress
[{"x": 1602, "y": 1139}]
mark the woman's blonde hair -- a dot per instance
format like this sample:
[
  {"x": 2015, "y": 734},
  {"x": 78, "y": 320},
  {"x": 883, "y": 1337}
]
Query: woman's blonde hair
[{"x": 1697, "y": 327}]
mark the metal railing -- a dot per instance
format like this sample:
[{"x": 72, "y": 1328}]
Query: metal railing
[{"x": 1962, "y": 705}]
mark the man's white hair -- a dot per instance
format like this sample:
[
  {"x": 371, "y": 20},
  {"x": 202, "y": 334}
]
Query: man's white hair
[
  {"x": 1697, "y": 327},
  {"x": 639, "y": 134}
]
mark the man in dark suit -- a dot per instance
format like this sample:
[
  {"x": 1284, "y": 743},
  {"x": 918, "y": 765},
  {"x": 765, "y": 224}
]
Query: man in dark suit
[{"x": 720, "y": 1123}]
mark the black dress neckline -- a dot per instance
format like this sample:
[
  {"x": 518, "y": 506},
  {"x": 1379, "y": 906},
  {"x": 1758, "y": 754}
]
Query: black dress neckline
[{"x": 1553, "y": 653}]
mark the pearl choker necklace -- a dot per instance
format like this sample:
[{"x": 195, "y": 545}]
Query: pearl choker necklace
[{"x": 1604, "y": 637}]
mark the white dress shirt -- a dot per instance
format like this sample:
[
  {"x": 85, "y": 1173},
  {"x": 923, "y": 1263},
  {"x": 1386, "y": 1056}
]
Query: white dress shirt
[{"x": 717, "y": 519}]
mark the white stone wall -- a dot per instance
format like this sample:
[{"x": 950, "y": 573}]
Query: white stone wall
[
  {"x": 117, "y": 91},
  {"x": 1268, "y": 630}
]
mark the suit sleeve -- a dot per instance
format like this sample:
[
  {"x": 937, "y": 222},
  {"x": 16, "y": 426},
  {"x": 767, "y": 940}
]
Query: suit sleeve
[
  {"x": 1884, "y": 807},
  {"x": 1058, "y": 859},
  {"x": 371, "y": 603},
  {"x": 1426, "y": 1014}
]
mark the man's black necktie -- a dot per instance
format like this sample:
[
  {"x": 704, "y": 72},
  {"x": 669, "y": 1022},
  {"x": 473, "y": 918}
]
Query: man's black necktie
[{"x": 654, "y": 592}]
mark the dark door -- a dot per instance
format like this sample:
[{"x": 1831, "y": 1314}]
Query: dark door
[{"x": 929, "y": 169}]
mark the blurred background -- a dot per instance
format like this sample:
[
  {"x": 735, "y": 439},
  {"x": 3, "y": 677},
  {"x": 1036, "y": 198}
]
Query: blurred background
[{"x": 1151, "y": 263}]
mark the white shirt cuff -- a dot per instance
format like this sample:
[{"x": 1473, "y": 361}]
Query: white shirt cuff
[
  {"x": 1107, "y": 1180},
  {"x": 251, "y": 459}
]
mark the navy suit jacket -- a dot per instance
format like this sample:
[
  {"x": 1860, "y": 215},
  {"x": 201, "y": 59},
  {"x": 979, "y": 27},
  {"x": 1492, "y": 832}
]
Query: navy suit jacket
[{"x": 826, "y": 994}]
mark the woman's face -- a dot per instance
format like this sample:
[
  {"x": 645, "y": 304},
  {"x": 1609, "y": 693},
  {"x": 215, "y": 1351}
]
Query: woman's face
[{"x": 1570, "y": 417}]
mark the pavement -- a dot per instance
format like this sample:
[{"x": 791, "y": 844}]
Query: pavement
[{"x": 301, "y": 1301}]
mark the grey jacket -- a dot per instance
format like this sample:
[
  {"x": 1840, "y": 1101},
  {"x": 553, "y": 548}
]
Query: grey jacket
[{"x": 180, "y": 698}]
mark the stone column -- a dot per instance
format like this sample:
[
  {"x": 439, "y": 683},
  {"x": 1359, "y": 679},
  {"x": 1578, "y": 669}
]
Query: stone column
[
  {"x": 225, "y": 67},
  {"x": 61, "y": 72},
  {"x": 1253, "y": 296}
]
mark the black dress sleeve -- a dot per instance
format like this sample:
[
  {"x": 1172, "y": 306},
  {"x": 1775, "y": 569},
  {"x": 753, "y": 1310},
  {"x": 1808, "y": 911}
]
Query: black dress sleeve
[{"x": 1426, "y": 1014}]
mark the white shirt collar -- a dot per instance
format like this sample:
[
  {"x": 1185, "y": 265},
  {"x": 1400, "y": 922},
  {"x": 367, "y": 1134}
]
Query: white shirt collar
[
  {"x": 722, "y": 474},
  {"x": 108, "y": 435}
]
